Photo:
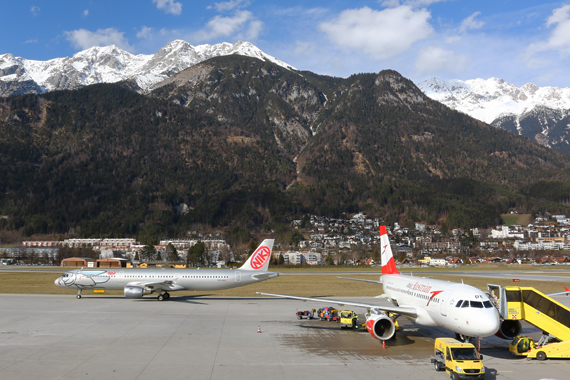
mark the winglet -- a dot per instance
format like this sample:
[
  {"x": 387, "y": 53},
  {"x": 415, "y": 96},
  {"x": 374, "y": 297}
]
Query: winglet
[
  {"x": 259, "y": 260},
  {"x": 388, "y": 263}
]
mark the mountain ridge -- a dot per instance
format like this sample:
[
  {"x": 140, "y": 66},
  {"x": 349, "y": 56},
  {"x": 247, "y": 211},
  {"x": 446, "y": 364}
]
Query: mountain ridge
[
  {"x": 245, "y": 142},
  {"x": 110, "y": 64},
  {"x": 538, "y": 113}
]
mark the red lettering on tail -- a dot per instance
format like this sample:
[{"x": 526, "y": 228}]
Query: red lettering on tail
[{"x": 260, "y": 257}]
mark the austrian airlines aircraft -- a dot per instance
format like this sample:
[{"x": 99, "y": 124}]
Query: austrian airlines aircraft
[
  {"x": 138, "y": 282},
  {"x": 460, "y": 308}
]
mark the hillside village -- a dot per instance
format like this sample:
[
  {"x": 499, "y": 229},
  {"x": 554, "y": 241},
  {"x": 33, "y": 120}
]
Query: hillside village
[{"x": 343, "y": 241}]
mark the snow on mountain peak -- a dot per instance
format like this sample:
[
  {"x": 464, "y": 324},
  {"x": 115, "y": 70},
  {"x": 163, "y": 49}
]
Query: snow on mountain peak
[
  {"x": 110, "y": 64},
  {"x": 488, "y": 99}
]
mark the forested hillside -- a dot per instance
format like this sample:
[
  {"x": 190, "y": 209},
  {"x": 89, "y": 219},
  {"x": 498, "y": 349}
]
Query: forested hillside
[{"x": 245, "y": 143}]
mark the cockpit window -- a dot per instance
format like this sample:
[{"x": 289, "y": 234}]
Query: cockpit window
[
  {"x": 459, "y": 303},
  {"x": 477, "y": 304},
  {"x": 487, "y": 304},
  {"x": 465, "y": 304}
]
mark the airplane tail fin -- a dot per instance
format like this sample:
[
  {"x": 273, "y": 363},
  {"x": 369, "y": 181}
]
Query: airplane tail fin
[
  {"x": 388, "y": 263},
  {"x": 259, "y": 260}
]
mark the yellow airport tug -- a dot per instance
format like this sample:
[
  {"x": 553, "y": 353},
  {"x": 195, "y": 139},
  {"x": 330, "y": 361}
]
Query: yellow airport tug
[{"x": 547, "y": 347}]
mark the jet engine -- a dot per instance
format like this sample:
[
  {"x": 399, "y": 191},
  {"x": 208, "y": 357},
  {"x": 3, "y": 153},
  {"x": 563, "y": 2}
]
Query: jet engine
[
  {"x": 380, "y": 326},
  {"x": 135, "y": 292},
  {"x": 509, "y": 328}
]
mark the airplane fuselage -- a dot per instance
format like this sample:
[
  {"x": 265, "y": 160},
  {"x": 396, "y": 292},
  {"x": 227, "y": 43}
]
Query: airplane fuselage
[
  {"x": 180, "y": 279},
  {"x": 461, "y": 308}
]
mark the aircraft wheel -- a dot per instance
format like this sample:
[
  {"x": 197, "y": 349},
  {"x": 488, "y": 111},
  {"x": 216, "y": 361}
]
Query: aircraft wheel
[
  {"x": 78, "y": 297},
  {"x": 160, "y": 297},
  {"x": 540, "y": 355},
  {"x": 166, "y": 296}
]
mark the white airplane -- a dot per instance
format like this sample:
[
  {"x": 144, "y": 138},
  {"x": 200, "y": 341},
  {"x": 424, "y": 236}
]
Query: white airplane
[
  {"x": 461, "y": 308},
  {"x": 138, "y": 282}
]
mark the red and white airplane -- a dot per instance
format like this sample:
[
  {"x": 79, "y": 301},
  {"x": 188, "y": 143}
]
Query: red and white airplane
[{"x": 461, "y": 308}]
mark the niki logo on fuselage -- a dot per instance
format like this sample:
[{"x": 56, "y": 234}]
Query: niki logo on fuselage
[{"x": 260, "y": 257}]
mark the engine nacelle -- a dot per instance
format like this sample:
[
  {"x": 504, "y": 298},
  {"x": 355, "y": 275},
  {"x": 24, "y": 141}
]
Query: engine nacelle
[
  {"x": 135, "y": 292},
  {"x": 380, "y": 326},
  {"x": 509, "y": 328}
]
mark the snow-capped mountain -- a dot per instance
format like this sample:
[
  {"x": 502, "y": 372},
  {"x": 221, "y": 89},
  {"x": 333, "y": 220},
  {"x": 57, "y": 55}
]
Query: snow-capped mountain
[
  {"x": 111, "y": 64},
  {"x": 539, "y": 113}
]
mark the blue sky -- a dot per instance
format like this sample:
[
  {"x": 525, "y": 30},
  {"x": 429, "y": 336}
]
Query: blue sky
[{"x": 520, "y": 41}]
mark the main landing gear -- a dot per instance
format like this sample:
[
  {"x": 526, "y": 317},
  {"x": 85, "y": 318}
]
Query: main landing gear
[{"x": 163, "y": 297}]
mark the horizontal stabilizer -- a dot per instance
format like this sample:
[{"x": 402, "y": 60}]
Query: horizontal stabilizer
[{"x": 360, "y": 279}]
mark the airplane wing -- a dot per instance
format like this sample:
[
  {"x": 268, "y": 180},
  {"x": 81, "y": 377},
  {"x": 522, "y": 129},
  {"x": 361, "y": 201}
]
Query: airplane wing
[
  {"x": 360, "y": 279},
  {"x": 167, "y": 286},
  {"x": 265, "y": 276},
  {"x": 406, "y": 311},
  {"x": 565, "y": 292}
]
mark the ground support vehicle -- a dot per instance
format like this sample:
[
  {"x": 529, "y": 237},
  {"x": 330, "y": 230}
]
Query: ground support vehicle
[
  {"x": 309, "y": 314},
  {"x": 348, "y": 319},
  {"x": 540, "y": 310},
  {"x": 459, "y": 360},
  {"x": 548, "y": 347}
]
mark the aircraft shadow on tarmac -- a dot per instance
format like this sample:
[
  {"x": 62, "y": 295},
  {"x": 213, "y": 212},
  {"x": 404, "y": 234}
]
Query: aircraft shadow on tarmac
[{"x": 396, "y": 341}]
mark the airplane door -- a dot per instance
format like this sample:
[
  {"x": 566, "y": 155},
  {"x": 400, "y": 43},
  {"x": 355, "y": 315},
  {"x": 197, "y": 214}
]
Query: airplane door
[
  {"x": 238, "y": 276},
  {"x": 121, "y": 276},
  {"x": 447, "y": 300}
]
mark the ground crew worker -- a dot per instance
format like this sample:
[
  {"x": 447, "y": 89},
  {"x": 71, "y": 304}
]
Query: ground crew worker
[{"x": 355, "y": 320}]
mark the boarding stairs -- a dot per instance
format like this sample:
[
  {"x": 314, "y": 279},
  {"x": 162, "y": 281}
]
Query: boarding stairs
[{"x": 530, "y": 305}]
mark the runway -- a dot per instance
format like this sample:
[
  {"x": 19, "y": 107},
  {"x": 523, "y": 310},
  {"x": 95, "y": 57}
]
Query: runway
[{"x": 106, "y": 337}]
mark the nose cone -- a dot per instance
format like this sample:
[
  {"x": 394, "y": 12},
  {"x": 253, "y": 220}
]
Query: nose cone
[
  {"x": 487, "y": 324},
  {"x": 57, "y": 282},
  {"x": 493, "y": 324}
]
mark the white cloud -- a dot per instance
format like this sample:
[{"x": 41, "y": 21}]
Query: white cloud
[
  {"x": 229, "y": 5},
  {"x": 86, "y": 13},
  {"x": 33, "y": 41},
  {"x": 242, "y": 22},
  {"x": 145, "y": 33},
  {"x": 169, "y": 6},
  {"x": 35, "y": 10},
  {"x": 471, "y": 23},
  {"x": 253, "y": 31},
  {"x": 381, "y": 34},
  {"x": 84, "y": 39},
  {"x": 413, "y": 3},
  {"x": 435, "y": 59},
  {"x": 304, "y": 48},
  {"x": 559, "y": 38}
]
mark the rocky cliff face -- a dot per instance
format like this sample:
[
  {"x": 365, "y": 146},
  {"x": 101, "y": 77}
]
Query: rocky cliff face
[{"x": 267, "y": 100}]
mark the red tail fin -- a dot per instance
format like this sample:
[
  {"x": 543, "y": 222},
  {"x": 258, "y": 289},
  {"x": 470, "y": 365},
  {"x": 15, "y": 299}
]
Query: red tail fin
[{"x": 388, "y": 263}]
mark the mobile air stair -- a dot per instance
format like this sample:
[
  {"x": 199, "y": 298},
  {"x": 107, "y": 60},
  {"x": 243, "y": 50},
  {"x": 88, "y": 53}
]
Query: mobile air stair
[{"x": 516, "y": 303}]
